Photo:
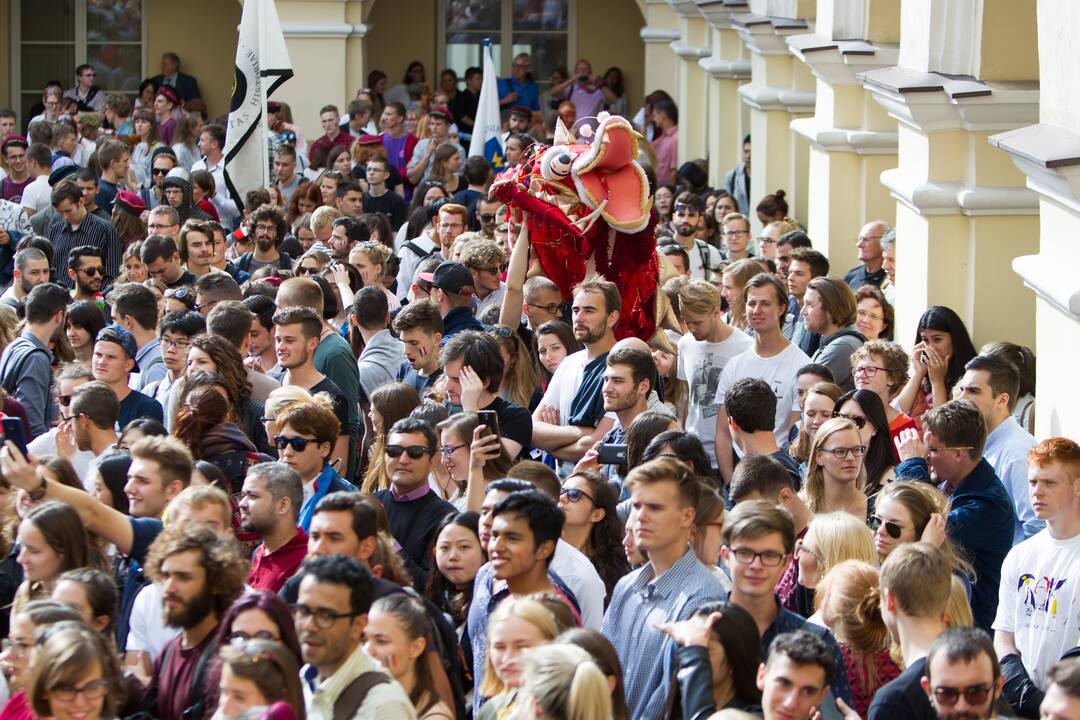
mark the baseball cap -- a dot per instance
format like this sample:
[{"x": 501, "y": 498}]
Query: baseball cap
[
  {"x": 117, "y": 334},
  {"x": 451, "y": 277}
]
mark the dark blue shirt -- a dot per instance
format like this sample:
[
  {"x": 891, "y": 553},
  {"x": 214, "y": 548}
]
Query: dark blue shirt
[
  {"x": 415, "y": 380},
  {"x": 458, "y": 320},
  {"x": 136, "y": 405},
  {"x": 787, "y": 621},
  {"x": 130, "y": 571},
  {"x": 858, "y": 276},
  {"x": 528, "y": 94}
]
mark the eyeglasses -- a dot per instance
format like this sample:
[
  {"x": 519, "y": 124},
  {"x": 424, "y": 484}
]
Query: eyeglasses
[
  {"x": 550, "y": 309},
  {"x": 859, "y": 420},
  {"x": 16, "y": 648},
  {"x": 957, "y": 448},
  {"x": 210, "y": 304},
  {"x": 893, "y": 529},
  {"x": 415, "y": 452},
  {"x": 450, "y": 226},
  {"x": 324, "y": 618},
  {"x": 974, "y": 694},
  {"x": 493, "y": 270},
  {"x": 65, "y": 400},
  {"x": 769, "y": 558},
  {"x": 800, "y": 548},
  {"x": 93, "y": 271},
  {"x": 91, "y": 691},
  {"x": 870, "y": 315},
  {"x": 298, "y": 444},
  {"x": 265, "y": 228},
  {"x": 238, "y": 637},
  {"x": 181, "y": 293},
  {"x": 307, "y": 270},
  {"x": 154, "y": 227},
  {"x": 735, "y": 233},
  {"x": 766, "y": 241},
  {"x": 178, "y": 344},
  {"x": 868, "y": 370},
  {"x": 574, "y": 495},
  {"x": 842, "y": 452},
  {"x": 864, "y": 238}
]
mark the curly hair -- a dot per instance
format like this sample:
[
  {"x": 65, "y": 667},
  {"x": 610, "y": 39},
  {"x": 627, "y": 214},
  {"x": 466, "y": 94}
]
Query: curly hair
[
  {"x": 222, "y": 558},
  {"x": 227, "y": 364},
  {"x": 893, "y": 358},
  {"x": 206, "y": 410},
  {"x": 604, "y": 546},
  {"x": 272, "y": 213}
]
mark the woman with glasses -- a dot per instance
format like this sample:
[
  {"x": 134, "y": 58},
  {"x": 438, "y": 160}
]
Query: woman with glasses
[
  {"x": 771, "y": 234},
  {"x": 397, "y": 635},
  {"x": 455, "y": 440},
  {"x": 836, "y": 475},
  {"x": 881, "y": 367},
  {"x": 818, "y": 405},
  {"x": 830, "y": 539},
  {"x": 84, "y": 320},
  {"x": 874, "y": 316},
  {"x": 916, "y": 512},
  {"x": 848, "y": 602},
  {"x": 312, "y": 263},
  {"x": 865, "y": 409},
  {"x": 16, "y": 661},
  {"x": 592, "y": 524},
  {"x": 181, "y": 299},
  {"x": 75, "y": 677},
  {"x": 258, "y": 674}
]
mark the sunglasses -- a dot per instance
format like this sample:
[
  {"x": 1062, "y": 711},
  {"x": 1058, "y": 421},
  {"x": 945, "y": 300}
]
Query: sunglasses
[
  {"x": 93, "y": 271},
  {"x": 182, "y": 293},
  {"x": 307, "y": 271},
  {"x": 574, "y": 495},
  {"x": 891, "y": 528},
  {"x": 159, "y": 171},
  {"x": 500, "y": 330},
  {"x": 974, "y": 695},
  {"x": 487, "y": 217},
  {"x": 298, "y": 444},
  {"x": 415, "y": 452},
  {"x": 860, "y": 422}
]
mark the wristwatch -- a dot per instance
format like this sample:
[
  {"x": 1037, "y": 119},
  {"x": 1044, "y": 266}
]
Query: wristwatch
[{"x": 38, "y": 493}]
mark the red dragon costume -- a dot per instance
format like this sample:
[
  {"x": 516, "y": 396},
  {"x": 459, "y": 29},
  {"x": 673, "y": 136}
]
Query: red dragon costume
[{"x": 587, "y": 208}]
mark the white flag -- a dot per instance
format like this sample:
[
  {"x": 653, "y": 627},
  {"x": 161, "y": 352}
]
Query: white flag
[
  {"x": 487, "y": 129},
  {"x": 260, "y": 68}
]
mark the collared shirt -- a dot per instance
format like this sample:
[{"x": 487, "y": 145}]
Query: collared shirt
[
  {"x": 639, "y": 602},
  {"x": 667, "y": 149},
  {"x": 1006, "y": 450},
  {"x": 528, "y": 93},
  {"x": 856, "y": 277},
  {"x": 787, "y": 621},
  {"x": 385, "y": 701},
  {"x": 416, "y": 494},
  {"x": 93, "y": 231},
  {"x": 270, "y": 570}
]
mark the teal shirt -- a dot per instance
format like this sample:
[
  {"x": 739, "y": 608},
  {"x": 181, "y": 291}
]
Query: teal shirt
[{"x": 334, "y": 359}]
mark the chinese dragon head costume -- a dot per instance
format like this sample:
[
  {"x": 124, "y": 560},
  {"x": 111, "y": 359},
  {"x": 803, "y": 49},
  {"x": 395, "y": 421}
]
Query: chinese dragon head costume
[{"x": 587, "y": 208}]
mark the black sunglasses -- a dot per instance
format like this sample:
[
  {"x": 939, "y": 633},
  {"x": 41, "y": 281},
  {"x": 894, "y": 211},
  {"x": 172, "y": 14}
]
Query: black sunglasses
[
  {"x": 974, "y": 695},
  {"x": 414, "y": 451},
  {"x": 891, "y": 528},
  {"x": 299, "y": 444},
  {"x": 159, "y": 171},
  {"x": 93, "y": 271},
  {"x": 860, "y": 422},
  {"x": 487, "y": 217},
  {"x": 574, "y": 495}
]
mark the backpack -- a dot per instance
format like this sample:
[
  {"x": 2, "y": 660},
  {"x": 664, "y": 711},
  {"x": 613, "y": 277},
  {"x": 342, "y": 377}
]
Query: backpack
[
  {"x": 419, "y": 251},
  {"x": 354, "y": 694},
  {"x": 706, "y": 256},
  {"x": 11, "y": 378}
]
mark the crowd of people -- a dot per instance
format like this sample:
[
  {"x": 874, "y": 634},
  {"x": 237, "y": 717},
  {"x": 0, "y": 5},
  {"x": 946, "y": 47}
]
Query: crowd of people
[{"x": 341, "y": 450}]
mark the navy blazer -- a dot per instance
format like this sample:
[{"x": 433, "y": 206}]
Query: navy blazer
[
  {"x": 187, "y": 87},
  {"x": 981, "y": 519}
]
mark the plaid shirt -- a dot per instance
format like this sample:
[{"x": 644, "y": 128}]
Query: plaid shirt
[{"x": 639, "y": 602}]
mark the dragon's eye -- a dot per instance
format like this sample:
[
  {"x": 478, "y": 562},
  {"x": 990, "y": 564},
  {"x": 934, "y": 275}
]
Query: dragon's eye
[{"x": 555, "y": 165}]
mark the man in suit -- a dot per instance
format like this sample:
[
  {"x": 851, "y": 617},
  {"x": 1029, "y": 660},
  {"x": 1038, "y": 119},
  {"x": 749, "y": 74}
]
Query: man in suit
[{"x": 186, "y": 86}]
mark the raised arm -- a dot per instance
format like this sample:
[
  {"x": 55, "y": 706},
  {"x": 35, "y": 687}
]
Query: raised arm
[{"x": 518, "y": 268}]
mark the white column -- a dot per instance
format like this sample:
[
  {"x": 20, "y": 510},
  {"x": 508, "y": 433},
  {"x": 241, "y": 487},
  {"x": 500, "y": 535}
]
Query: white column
[{"x": 727, "y": 66}]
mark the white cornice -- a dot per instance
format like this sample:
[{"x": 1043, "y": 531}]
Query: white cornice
[
  {"x": 326, "y": 31},
  {"x": 692, "y": 53},
  {"x": 725, "y": 68},
  {"x": 831, "y": 139},
  {"x": 1052, "y": 279},
  {"x": 943, "y": 198},
  {"x": 838, "y": 62},
  {"x": 658, "y": 35},
  {"x": 767, "y": 97},
  {"x": 685, "y": 8},
  {"x": 1050, "y": 158}
]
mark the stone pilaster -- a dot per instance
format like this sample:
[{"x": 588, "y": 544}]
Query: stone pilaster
[
  {"x": 726, "y": 67},
  {"x": 660, "y": 30},
  {"x": 692, "y": 46}
]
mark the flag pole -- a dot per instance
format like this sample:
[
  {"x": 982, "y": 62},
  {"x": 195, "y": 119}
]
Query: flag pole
[{"x": 265, "y": 144}]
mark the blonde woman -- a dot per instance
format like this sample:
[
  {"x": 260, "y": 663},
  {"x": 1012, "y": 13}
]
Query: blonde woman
[
  {"x": 818, "y": 406},
  {"x": 563, "y": 682},
  {"x": 771, "y": 233},
  {"x": 516, "y": 625},
  {"x": 280, "y": 400},
  {"x": 848, "y": 602},
  {"x": 520, "y": 383},
  {"x": 370, "y": 259},
  {"x": 735, "y": 277},
  {"x": 830, "y": 539},
  {"x": 836, "y": 477}
]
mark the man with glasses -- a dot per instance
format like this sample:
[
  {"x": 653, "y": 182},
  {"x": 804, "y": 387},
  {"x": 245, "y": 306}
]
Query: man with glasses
[
  {"x": 73, "y": 227},
  {"x": 161, "y": 163},
  {"x": 543, "y": 301},
  {"x": 330, "y": 616},
  {"x": 298, "y": 330},
  {"x": 486, "y": 262},
  {"x": 214, "y": 288},
  {"x": 164, "y": 221},
  {"x": 981, "y": 516},
  {"x": 379, "y": 198},
  {"x": 162, "y": 260},
  {"x": 86, "y": 93},
  {"x": 18, "y": 171},
  {"x": 685, "y": 220},
  {"x": 307, "y": 434},
  {"x": 963, "y": 678},
  {"x": 86, "y": 270},
  {"x": 486, "y": 216},
  {"x": 267, "y": 225},
  {"x": 667, "y": 588},
  {"x": 871, "y": 271},
  {"x": 90, "y": 426},
  {"x": 759, "y": 539},
  {"x": 519, "y": 88},
  {"x": 414, "y": 510},
  {"x": 174, "y": 332}
]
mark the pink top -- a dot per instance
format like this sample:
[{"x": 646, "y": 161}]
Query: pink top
[{"x": 666, "y": 146}]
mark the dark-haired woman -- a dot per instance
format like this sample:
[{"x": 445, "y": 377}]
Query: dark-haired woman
[
  {"x": 84, "y": 320},
  {"x": 593, "y": 526},
  {"x": 52, "y": 540},
  {"x": 865, "y": 409},
  {"x": 942, "y": 349},
  {"x": 457, "y": 556}
]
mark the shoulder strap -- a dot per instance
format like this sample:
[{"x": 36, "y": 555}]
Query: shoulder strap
[
  {"x": 354, "y": 694},
  {"x": 196, "y": 709},
  {"x": 419, "y": 251},
  {"x": 706, "y": 254},
  {"x": 10, "y": 380}
]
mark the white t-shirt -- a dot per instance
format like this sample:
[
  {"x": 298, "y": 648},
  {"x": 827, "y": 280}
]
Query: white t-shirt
[
  {"x": 36, "y": 196},
  {"x": 147, "y": 631},
  {"x": 580, "y": 575},
  {"x": 697, "y": 262},
  {"x": 778, "y": 371},
  {"x": 700, "y": 365},
  {"x": 83, "y": 461},
  {"x": 1039, "y": 601},
  {"x": 564, "y": 384}
]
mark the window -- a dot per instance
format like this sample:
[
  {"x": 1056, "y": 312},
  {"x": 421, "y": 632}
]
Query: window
[
  {"x": 54, "y": 36},
  {"x": 538, "y": 27}
]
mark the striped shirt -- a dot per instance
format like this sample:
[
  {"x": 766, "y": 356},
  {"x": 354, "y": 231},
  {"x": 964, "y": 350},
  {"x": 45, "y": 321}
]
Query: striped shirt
[
  {"x": 93, "y": 231},
  {"x": 639, "y": 602}
]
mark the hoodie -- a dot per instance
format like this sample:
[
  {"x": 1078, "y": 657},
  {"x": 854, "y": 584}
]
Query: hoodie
[
  {"x": 187, "y": 209},
  {"x": 379, "y": 361}
]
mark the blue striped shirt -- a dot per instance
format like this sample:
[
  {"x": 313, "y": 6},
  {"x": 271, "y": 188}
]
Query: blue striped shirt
[
  {"x": 639, "y": 602},
  {"x": 93, "y": 231}
]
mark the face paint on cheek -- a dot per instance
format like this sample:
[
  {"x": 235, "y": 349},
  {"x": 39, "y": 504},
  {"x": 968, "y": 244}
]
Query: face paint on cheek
[{"x": 423, "y": 352}]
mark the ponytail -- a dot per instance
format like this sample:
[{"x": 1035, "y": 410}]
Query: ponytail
[
  {"x": 566, "y": 683},
  {"x": 590, "y": 697}
]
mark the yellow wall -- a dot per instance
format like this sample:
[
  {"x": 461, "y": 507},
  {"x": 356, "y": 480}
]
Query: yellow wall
[
  {"x": 607, "y": 34},
  {"x": 393, "y": 21},
  {"x": 206, "y": 46},
  {"x": 5, "y": 55}
]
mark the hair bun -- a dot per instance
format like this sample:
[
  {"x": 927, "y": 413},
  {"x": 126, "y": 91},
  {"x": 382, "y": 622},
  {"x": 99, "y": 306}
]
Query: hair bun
[{"x": 779, "y": 194}]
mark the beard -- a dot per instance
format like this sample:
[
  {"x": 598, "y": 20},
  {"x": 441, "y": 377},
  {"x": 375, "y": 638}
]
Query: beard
[
  {"x": 265, "y": 244},
  {"x": 591, "y": 335},
  {"x": 87, "y": 288},
  {"x": 25, "y": 286},
  {"x": 191, "y": 612}
]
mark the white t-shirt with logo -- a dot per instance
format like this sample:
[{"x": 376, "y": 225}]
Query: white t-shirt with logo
[
  {"x": 700, "y": 365},
  {"x": 778, "y": 371},
  {"x": 1039, "y": 600}
]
